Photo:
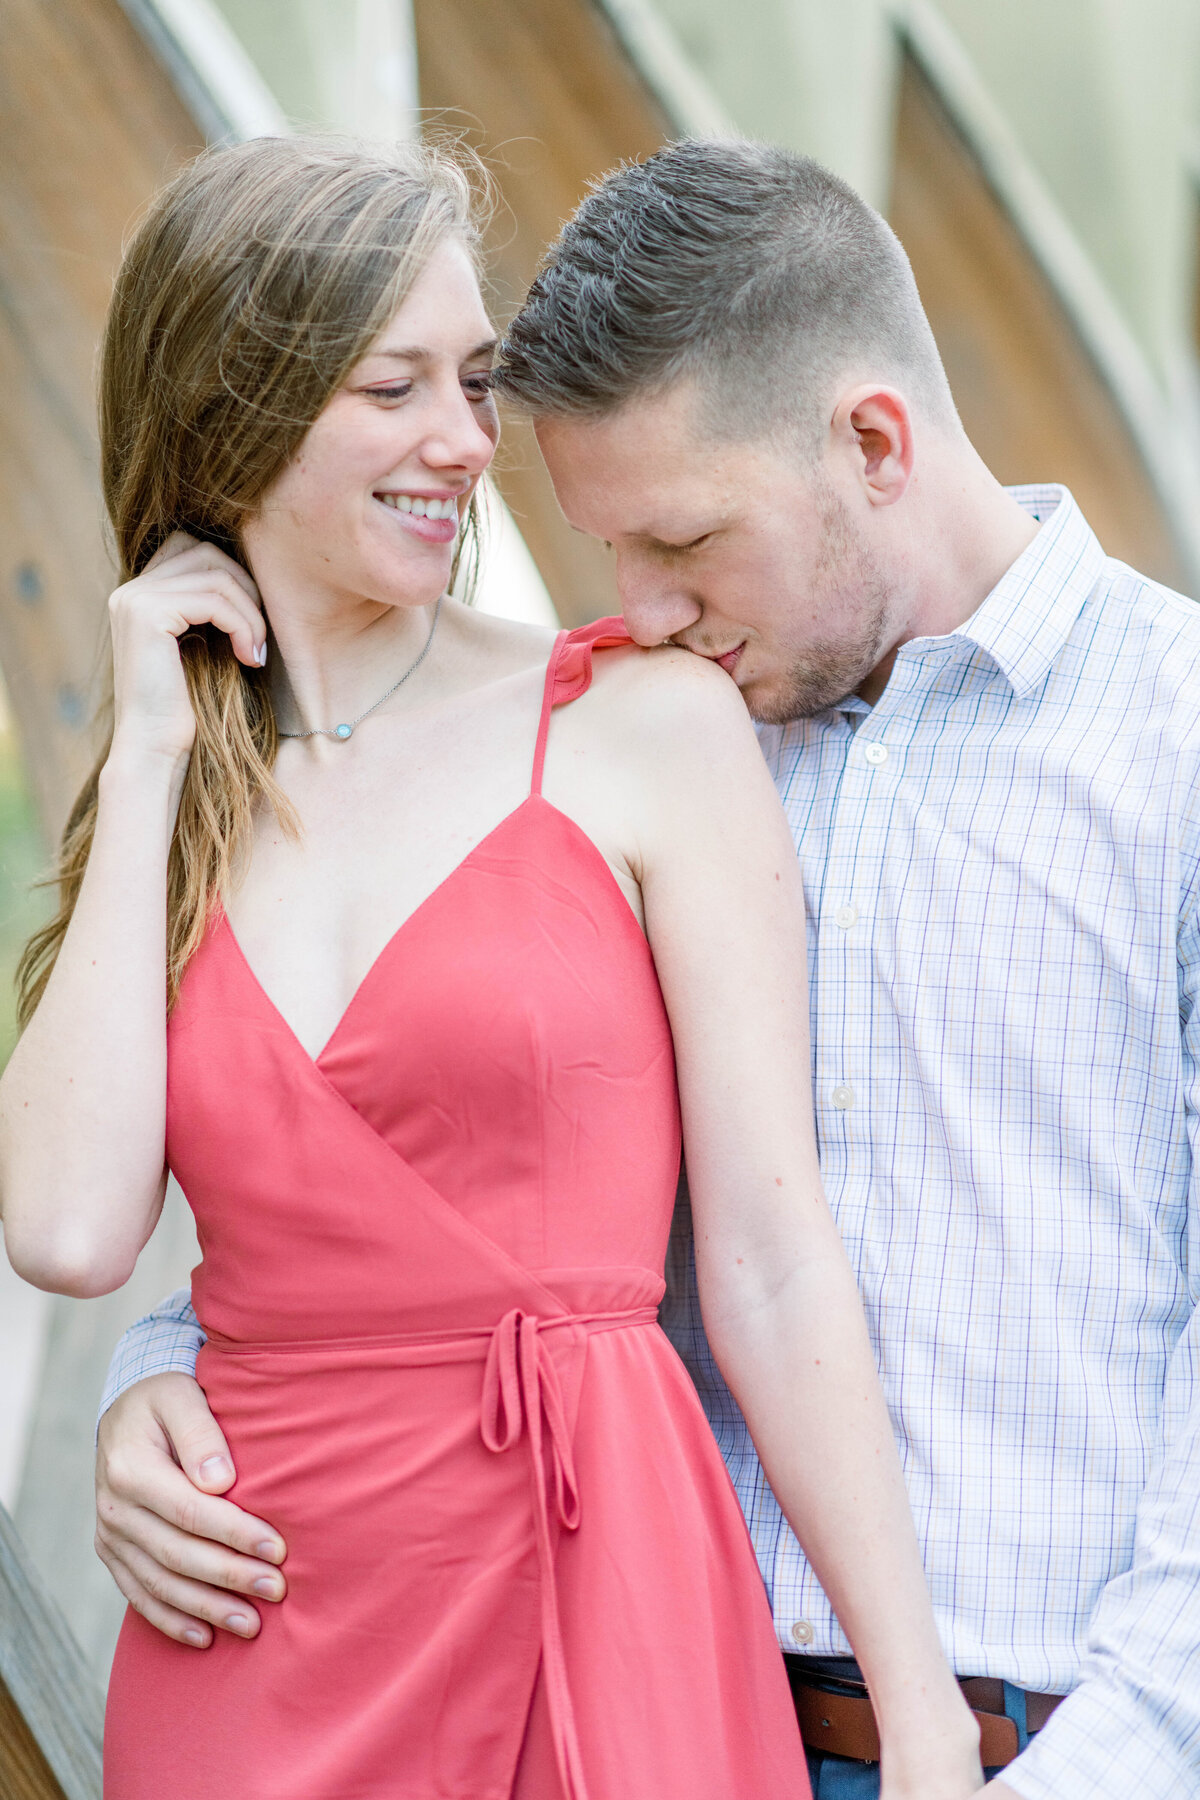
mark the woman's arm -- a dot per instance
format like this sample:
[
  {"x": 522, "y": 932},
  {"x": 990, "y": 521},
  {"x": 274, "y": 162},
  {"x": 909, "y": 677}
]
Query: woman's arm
[
  {"x": 83, "y": 1099},
  {"x": 725, "y": 917}
]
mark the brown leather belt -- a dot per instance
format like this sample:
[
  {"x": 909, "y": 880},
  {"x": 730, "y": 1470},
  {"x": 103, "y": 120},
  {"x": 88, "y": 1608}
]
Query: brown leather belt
[{"x": 835, "y": 1715}]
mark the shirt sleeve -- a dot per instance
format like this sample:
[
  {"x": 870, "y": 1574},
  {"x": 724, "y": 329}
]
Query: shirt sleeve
[
  {"x": 167, "y": 1341},
  {"x": 1133, "y": 1724}
]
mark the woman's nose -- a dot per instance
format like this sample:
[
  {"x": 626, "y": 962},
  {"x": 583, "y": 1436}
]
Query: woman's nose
[{"x": 462, "y": 436}]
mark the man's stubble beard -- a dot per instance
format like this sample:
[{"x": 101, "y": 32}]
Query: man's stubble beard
[{"x": 826, "y": 673}]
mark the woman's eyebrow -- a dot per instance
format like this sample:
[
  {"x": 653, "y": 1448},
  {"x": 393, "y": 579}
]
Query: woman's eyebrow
[{"x": 418, "y": 352}]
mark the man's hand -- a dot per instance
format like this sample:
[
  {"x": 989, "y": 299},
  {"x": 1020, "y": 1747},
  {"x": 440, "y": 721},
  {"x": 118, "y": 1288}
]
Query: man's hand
[{"x": 176, "y": 1551}]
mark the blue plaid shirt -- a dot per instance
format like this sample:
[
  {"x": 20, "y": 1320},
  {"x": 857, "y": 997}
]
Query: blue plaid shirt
[{"x": 1001, "y": 860}]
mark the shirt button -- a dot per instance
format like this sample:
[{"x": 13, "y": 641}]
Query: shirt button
[
  {"x": 846, "y": 916},
  {"x": 802, "y": 1632},
  {"x": 843, "y": 1096},
  {"x": 875, "y": 753}
]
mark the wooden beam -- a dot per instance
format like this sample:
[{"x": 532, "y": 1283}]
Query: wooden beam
[
  {"x": 89, "y": 127},
  {"x": 1032, "y": 400},
  {"x": 543, "y": 89},
  {"x": 50, "y": 1710}
]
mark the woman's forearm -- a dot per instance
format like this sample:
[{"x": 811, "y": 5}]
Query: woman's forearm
[
  {"x": 83, "y": 1100},
  {"x": 789, "y": 1335}
]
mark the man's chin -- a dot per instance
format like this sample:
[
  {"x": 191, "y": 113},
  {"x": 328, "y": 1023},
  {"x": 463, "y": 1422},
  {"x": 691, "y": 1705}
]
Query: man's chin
[{"x": 784, "y": 701}]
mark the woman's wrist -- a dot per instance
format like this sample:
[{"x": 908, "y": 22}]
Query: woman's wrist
[
  {"x": 932, "y": 1751},
  {"x": 143, "y": 772}
]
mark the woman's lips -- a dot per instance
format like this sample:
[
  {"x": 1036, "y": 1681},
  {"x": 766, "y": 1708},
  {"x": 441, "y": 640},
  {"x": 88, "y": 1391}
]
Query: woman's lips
[{"x": 430, "y": 531}]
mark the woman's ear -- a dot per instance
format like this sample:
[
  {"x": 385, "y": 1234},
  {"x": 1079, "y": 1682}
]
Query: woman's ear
[{"x": 873, "y": 424}]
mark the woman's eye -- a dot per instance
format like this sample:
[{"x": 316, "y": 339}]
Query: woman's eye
[
  {"x": 480, "y": 386},
  {"x": 398, "y": 392}
]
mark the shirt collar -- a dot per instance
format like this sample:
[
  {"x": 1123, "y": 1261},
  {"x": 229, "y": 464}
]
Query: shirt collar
[{"x": 1027, "y": 618}]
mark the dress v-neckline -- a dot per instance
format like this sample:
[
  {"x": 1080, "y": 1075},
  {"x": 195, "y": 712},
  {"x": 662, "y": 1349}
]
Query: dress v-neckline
[
  {"x": 399, "y": 932},
  {"x": 421, "y": 906}
]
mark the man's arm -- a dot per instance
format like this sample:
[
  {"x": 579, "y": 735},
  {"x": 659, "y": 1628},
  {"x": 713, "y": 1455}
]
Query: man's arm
[
  {"x": 166, "y": 1341},
  {"x": 174, "y": 1548},
  {"x": 1133, "y": 1724}
]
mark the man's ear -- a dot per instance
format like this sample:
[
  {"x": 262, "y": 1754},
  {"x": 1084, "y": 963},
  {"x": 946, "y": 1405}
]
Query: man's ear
[{"x": 873, "y": 426}]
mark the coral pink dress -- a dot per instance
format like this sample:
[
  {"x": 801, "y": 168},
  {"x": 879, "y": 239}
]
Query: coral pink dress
[{"x": 431, "y": 1262}]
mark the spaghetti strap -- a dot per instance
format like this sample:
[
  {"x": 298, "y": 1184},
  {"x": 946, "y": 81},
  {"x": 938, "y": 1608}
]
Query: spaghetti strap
[
  {"x": 539, "y": 750},
  {"x": 569, "y": 674}
]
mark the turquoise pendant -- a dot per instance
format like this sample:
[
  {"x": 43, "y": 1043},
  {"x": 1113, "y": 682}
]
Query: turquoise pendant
[{"x": 342, "y": 731}]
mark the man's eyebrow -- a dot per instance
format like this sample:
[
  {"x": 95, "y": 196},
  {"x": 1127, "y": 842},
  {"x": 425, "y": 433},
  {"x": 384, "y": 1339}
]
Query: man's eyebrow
[{"x": 418, "y": 352}]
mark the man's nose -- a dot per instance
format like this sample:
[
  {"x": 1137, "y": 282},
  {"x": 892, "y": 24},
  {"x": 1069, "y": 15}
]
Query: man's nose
[{"x": 654, "y": 604}]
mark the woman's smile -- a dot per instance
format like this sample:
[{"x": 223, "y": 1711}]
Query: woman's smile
[{"x": 431, "y": 517}]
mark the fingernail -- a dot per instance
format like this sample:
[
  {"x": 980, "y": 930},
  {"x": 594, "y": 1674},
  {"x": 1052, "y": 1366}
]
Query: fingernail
[
  {"x": 215, "y": 1468},
  {"x": 240, "y": 1623},
  {"x": 192, "y": 1636},
  {"x": 269, "y": 1550},
  {"x": 270, "y": 1590},
  {"x": 260, "y": 654}
]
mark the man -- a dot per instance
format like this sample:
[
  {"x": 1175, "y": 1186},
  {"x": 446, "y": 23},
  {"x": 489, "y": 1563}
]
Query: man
[{"x": 986, "y": 738}]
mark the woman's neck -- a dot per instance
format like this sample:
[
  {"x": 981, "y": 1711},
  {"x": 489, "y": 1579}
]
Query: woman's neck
[{"x": 329, "y": 664}]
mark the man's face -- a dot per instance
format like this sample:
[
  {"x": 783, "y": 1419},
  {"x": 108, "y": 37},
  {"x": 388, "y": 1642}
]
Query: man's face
[{"x": 741, "y": 552}]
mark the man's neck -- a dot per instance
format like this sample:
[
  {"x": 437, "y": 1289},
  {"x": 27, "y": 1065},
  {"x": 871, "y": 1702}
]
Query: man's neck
[{"x": 966, "y": 532}]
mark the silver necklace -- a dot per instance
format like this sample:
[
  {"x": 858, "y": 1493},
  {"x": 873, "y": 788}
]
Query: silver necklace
[{"x": 346, "y": 730}]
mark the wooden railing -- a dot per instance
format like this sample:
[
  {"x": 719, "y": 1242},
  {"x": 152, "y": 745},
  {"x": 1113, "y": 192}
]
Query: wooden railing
[{"x": 50, "y": 1708}]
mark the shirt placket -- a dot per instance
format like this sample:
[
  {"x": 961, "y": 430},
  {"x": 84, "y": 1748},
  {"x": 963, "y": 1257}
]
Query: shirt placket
[{"x": 865, "y": 756}]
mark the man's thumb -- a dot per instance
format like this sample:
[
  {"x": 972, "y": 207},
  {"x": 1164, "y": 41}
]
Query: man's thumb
[{"x": 197, "y": 1439}]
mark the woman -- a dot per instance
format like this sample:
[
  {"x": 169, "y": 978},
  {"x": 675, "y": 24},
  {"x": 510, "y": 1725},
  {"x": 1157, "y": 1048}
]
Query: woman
[{"x": 436, "y": 905}]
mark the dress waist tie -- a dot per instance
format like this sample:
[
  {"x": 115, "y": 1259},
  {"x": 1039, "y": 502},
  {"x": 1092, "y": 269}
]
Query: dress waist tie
[{"x": 522, "y": 1393}]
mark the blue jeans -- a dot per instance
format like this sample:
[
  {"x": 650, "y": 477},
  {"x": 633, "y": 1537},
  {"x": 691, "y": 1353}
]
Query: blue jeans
[{"x": 836, "y": 1778}]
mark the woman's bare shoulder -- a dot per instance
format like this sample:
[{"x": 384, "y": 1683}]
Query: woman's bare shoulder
[
  {"x": 666, "y": 693},
  {"x": 500, "y": 646}
]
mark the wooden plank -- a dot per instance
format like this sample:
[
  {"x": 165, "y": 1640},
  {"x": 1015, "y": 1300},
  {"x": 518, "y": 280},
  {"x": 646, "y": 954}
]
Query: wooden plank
[
  {"x": 545, "y": 92},
  {"x": 89, "y": 127},
  {"x": 24, "y": 1772},
  {"x": 1031, "y": 399},
  {"x": 50, "y": 1711}
]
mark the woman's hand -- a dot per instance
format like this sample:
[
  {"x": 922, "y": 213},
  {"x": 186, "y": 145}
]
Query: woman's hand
[
  {"x": 186, "y": 583},
  {"x": 937, "y": 1761}
]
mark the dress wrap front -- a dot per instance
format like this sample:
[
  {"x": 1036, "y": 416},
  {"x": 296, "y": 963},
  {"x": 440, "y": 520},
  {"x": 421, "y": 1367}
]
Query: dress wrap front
[{"x": 431, "y": 1262}]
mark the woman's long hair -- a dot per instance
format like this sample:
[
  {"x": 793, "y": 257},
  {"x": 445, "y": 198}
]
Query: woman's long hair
[{"x": 256, "y": 281}]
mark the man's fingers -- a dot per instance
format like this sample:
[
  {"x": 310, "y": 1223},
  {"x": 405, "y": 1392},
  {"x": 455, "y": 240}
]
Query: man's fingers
[
  {"x": 190, "y": 1598},
  {"x": 173, "y": 1603},
  {"x": 177, "y": 1625},
  {"x": 163, "y": 1489},
  {"x": 194, "y": 1559}
]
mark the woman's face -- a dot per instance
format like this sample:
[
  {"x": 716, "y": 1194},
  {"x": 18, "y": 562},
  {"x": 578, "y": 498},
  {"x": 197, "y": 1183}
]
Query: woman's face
[{"x": 370, "y": 505}]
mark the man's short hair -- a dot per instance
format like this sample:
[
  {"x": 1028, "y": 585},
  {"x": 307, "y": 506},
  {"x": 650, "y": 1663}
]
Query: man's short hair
[{"x": 750, "y": 270}]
